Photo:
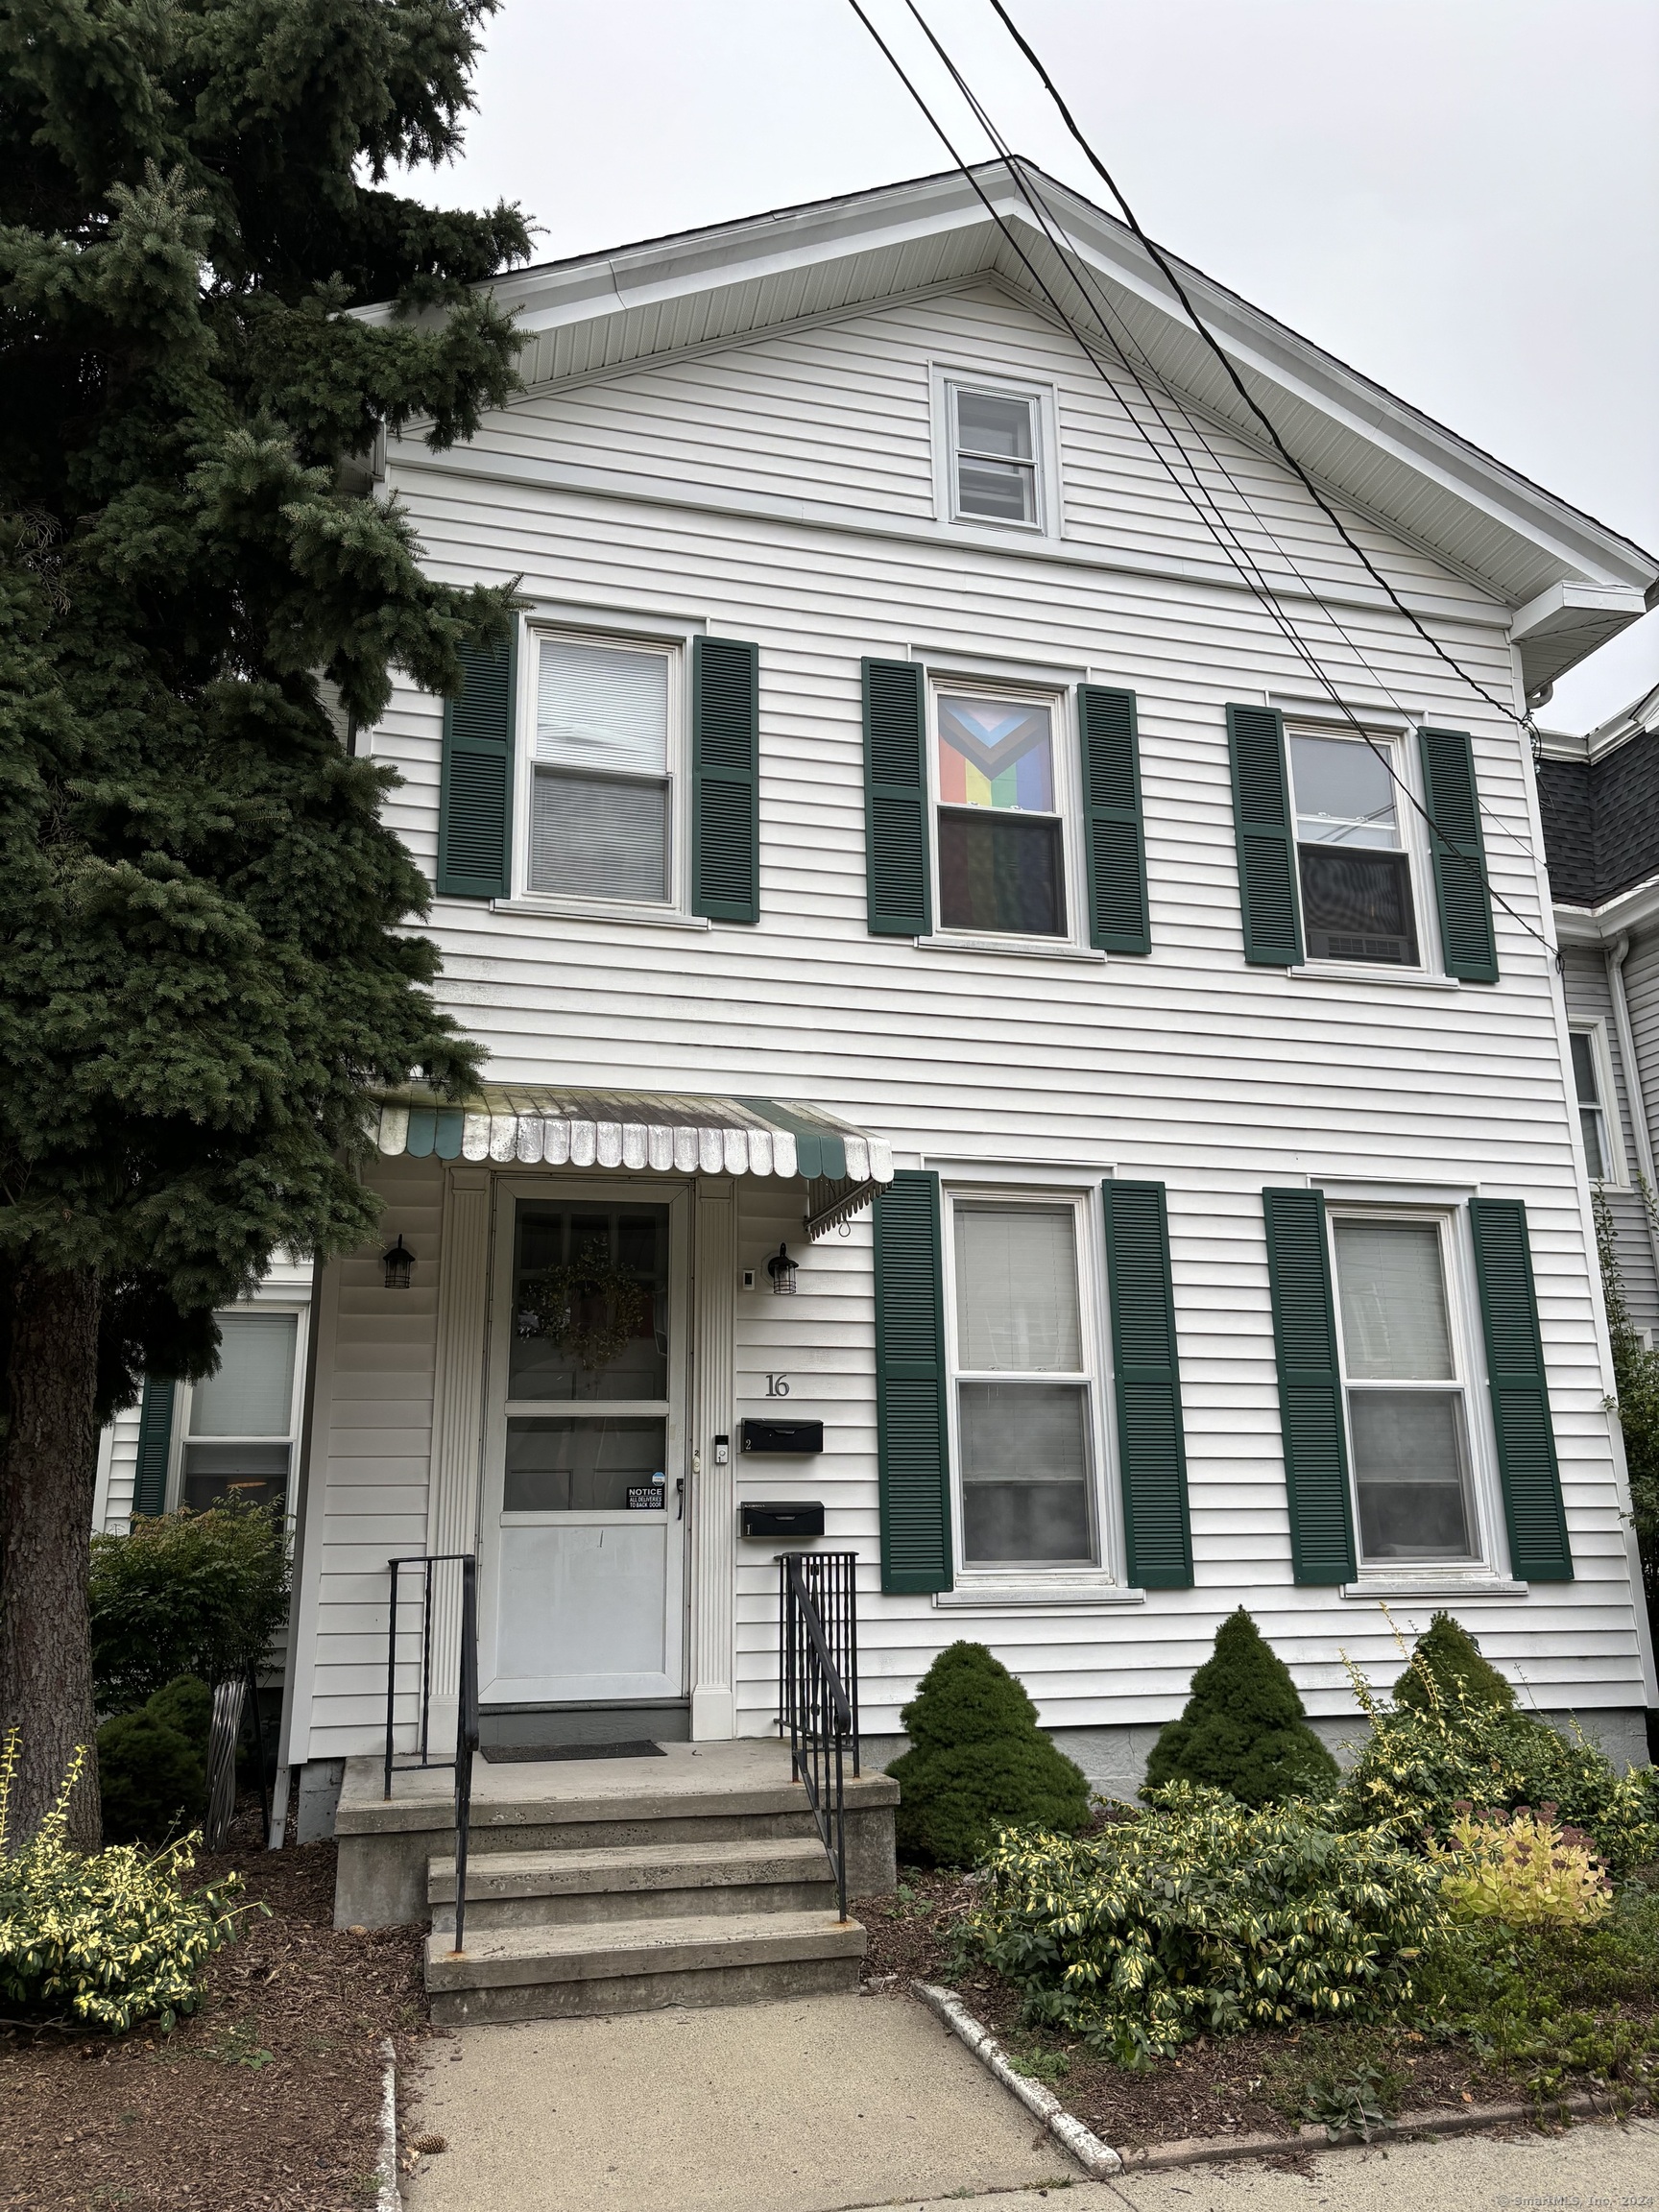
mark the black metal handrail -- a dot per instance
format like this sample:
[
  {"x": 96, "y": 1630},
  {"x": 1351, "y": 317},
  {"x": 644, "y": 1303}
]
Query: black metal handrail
[
  {"x": 467, "y": 1699},
  {"x": 425, "y": 1561},
  {"x": 466, "y": 1741},
  {"x": 818, "y": 1688}
]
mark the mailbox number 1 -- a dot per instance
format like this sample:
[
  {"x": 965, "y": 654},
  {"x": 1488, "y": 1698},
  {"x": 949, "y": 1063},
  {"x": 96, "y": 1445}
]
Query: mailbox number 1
[{"x": 777, "y": 1386}]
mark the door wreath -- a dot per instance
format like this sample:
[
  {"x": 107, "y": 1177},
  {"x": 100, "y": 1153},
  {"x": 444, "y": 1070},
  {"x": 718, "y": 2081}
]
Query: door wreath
[{"x": 588, "y": 1308}]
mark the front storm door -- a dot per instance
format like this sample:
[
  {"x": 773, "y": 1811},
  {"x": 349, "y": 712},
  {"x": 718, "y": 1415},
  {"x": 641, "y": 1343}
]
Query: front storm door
[{"x": 584, "y": 1532}]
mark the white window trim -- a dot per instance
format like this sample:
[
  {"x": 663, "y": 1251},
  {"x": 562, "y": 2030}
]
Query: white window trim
[
  {"x": 1430, "y": 971},
  {"x": 675, "y": 645},
  {"x": 1068, "y": 798},
  {"x": 1618, "y": 1177},
  {"x": 300, "y": 1309},
  {"x": 947, "y": 377},
  {"x": 1488, "y": 1568},
  {"x": 1015, "y": 1583}
]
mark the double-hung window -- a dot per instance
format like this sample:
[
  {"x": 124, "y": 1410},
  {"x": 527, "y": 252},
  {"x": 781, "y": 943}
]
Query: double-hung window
[
  {"x": 1000, "y": 824},
  {"x": 241, "y": 1427},
  {"x": 602, "y": 771},
  {"x": 1352, "y": 856},
  {"x": 1594, "y": 1090},
  {"x": 1023, "y": 1376},
  {"x": 994, "y": 465},
  {"x": 1408, "y": 1400}
]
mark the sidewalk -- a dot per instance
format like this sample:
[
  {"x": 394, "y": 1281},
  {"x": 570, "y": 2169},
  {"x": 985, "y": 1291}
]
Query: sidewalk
[{"x": 829, "y": 2103}]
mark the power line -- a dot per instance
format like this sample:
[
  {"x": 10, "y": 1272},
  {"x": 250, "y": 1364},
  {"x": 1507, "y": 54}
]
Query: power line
[
  {"x": 1237, "y": 555},
  {"x": 1524, "y": 721},
  {"x": 1098, "y": 301}
]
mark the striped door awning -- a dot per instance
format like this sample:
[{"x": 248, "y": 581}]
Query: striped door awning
[{"x": 633, "y": 1130}]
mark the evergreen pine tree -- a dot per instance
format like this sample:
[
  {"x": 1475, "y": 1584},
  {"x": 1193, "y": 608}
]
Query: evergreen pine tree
[
  {"x": 1450, "y": 1656},
  {"x": 204, "y": 963},
  {"x": 978, "y": 1761},
  {"x": 1244, "y": 1729}
]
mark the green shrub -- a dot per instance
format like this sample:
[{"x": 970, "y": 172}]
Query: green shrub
[
  {"x": 153, "y": 1764},
  {"x": 1204, "y": 1916},
  {"x": 199, "y": 1594},
  {"x": 187, "y": 1705},
  {"x": 1244, "y": 1729},
  {"x": 1422, "y": 1762},
  {"x": 977, "y": 1763},
  {"x": 1445, "y": 1655},
  {"x": 104, "y": 1939}
]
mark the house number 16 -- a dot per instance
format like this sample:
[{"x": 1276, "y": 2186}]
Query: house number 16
[{"x": 777, "y": 1386}]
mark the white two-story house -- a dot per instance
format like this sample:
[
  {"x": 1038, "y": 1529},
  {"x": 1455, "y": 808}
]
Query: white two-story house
[{"x": 981, "y": 1042}]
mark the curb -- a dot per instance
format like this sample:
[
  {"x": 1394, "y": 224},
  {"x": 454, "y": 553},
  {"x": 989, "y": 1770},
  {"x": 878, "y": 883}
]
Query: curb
[
  {"x": 1099, "y": 2160},
  {"x": 1454, "y": 2119},
  {"x": 1096, "y": 2158},
  {"x": 390, "y": 2197}
]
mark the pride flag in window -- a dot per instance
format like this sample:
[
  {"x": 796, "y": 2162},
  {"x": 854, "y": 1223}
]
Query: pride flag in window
[{"x": 996, "y": 753}]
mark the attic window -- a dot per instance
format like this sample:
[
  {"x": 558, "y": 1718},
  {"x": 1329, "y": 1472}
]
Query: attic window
[{"x": 993, "y": 444}]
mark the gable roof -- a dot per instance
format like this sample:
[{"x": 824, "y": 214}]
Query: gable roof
[{"x": 1569, "y": 581}]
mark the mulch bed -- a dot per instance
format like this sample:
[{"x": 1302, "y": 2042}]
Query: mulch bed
[
  {"x": 265, "y": 2099},
  {"x": 1212, "y": 2089}
]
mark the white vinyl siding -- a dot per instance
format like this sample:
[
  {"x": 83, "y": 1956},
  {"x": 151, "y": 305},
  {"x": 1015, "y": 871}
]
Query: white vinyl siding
[{"x": 1189, "y": 1067}]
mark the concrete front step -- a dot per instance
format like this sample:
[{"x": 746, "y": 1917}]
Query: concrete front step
[
  {"x": 644, "y": 1881},
  {"x": 548, "y": 1973}
]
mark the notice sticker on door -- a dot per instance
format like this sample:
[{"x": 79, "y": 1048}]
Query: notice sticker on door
[{"x": 647, "y": 1498}]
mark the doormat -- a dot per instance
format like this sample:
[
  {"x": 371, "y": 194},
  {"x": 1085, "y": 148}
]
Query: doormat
[{"x": 507, "y": 1754}]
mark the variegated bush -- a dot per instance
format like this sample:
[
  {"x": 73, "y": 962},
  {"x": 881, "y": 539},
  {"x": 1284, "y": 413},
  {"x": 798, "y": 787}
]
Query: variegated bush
[
  {"x": 104, "y": 1939},
  {"x": 1205, "y": 1916},
  {"x": 1421, "y": 1761}
]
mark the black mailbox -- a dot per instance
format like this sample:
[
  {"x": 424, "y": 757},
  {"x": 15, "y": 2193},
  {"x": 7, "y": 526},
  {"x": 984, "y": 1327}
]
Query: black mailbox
[
  {"x": 782, "y": 1436},
  {"x": 789, "y": 1521}
]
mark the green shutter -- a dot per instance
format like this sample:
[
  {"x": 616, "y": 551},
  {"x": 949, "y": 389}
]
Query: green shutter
[
  {"x": 1266, "y": 845},
  {"x": 475, "y": 796},
  {"x": 900, "y": 901},
  {"x": 1539, "y": 1551},
  {"x": 726, "y": 779},
  {"x": 154, "y": 1445},
  {"x": 1460, "y": 887},
  {"x": 1116, "y": 842},
  {"x": 1151, "y": 1445},
  {"x": 1309, "y": 1387},
  {"x": 912, "y": 1438}
]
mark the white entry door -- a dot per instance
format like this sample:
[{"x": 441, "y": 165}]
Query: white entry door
[{"x": 583, "y": 1537}]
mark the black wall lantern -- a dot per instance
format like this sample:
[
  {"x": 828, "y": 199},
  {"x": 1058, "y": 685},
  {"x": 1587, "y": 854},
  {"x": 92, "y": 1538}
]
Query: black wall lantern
[
  {"x": 398, "y": 1264},
  {"x": 782, "y": 1271}
]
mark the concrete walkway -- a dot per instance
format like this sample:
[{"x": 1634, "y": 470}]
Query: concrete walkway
[
  {"x": 831, "y": 2103},
  {"x": 801, "y": 2107}
]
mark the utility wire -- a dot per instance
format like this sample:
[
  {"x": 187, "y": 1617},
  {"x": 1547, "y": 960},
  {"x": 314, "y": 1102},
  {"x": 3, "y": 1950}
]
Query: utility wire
[
  {"x": 1237, "y": 555},
  {"x": 1525, "y": 721},
  {"x": 1144, "y": 373}
]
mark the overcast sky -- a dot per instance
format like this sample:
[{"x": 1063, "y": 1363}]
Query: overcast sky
[{"x": 1459, "y": 197}]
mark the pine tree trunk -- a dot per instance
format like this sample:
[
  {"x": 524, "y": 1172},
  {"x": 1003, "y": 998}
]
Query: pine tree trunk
[{"x": 48, "y": 1472}]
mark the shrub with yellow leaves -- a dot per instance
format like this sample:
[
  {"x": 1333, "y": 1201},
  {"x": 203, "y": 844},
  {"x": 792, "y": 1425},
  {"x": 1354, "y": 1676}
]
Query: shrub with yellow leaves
[
  {"x": 104, "y": 1938},
  {"x": 1526, "y": 1870}
]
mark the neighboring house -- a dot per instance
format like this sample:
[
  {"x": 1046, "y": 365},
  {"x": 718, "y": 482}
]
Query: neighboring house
[
  {"x": 236, "y": 1435},
  {"x": 1599, "y": 800},
  {"x": 893, "y": 793}
]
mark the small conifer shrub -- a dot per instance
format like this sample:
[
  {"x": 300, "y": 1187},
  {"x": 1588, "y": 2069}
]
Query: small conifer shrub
[
  {"x": 152, "y": 1776},
  {"x": 1444, "y": 1654},
  {"x": 978, "y": 1762},
  {"x": 1244, "y": 1729}
]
